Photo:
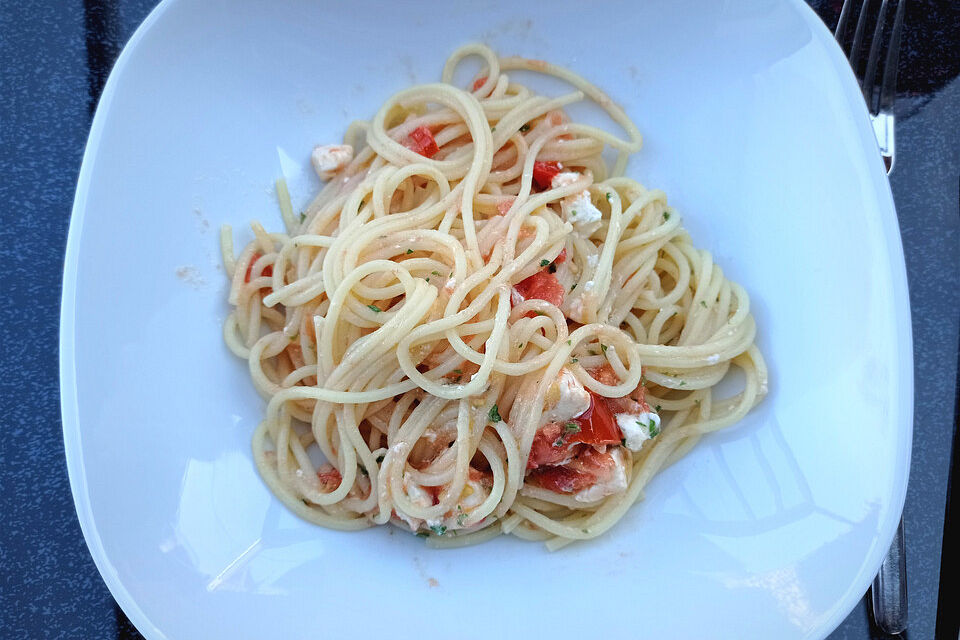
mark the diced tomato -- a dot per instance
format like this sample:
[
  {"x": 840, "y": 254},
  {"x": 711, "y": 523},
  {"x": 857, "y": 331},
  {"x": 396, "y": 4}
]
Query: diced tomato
[
  {"x": 423, "y": 142},
  {"x": 597, "y": 425},
  {"x": 329, "y": 478},
  {"x": 267, "y": 270},
  {"x": 605, "y": 374},
  {"x": 545, "y": 449},
  {"x": 561, "y": 257},
  {"x": 544, "y": 172},
  {"x": 479, "y": 82},
  {"x": 561, "y": 479},
  {"x": 634, "y": 403},
  {"x": 543, "y": 286}
]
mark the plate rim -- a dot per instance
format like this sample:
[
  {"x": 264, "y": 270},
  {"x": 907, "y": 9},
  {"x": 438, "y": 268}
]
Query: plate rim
[{"x": 69, "y": 408}]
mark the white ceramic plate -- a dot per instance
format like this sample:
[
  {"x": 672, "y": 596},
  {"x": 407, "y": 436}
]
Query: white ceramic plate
[{"x": 754, "y": 127}]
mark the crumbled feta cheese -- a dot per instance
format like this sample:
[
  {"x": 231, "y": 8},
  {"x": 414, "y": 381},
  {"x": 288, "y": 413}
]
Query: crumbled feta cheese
[
  {"x": 572, "y": 398},
  {"x": 328, "y": 159},
  {"x": 564, "y": 179},
  {"x": 638, "y": 428},
  {"x": 593, "y": 259},
  {"x": 616, "y": 483},
  {"x": 713, "y": 359},
  {"x": 579, "y": 211}
]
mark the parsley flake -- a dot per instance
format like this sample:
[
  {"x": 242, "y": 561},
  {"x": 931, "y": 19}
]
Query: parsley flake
[
  {"x": 603, "y": 348},
  {"x": 303, "y": 216},
  {"x": 409, "y": 251},
  {"x": 657, "y": 408},
  {"x": 574, "y": 286},
  {"x": 436, "y": 273},
  {"x": 653, "y": 429},
  {"x": 573, "y": 212},
  {"x": 494, "y": 414},
  {"x": 374, "y": 308},
  {"x": 573, "y": 360},
  {"x": 683, "y": 382},
  {"x": 666, "y": 215},
  {"x": 703, "y": 304},
  {"x": 544, "y": 262},
  {"x": 525, "y": 128},
  {"x": 571, "y": 427},
  {"x": 558, "y": 442},
  {"x": 570, "y": 342},
  {"x": 439, "y": 529},
  {"x": 609, "y": 196},
  {"x": 462, "y": 517}
]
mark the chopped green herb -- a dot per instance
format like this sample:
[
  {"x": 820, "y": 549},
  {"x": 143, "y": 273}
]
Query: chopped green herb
[
  {"x": 544, "y": 262},
  {"x": 436, "y": 273},
  {"x": 570, "y": 342},
  {"x": 657, "y": 408},
  {"x": 603, "y": 348},
  {"x": 520, "y": 346},
  {"x": 609, "y": 196},
  {"x": 494, "y": 414},
  {"x": 697, "y": 402},
  {"x": 558, "y": 442},
  {"x": 574, "y": 286},
  {"x": 439, "y": 529},
  {"x": 428, "y": 278},
  {"x": 525, "y": 128},
  {"x": 585, "y": 530},
  {"x": 409, "y": 251},
  {"x": 493, "y": 128},
  {"x": 703, "y": 303},
  {"x": 653, "y": 429},
  {"x": 571, "y": 427},
  {"x": 374, "y": 308},
  {"x": 303, "y": 216},
  {"x": 573, "y": 360},
  {"x": 462, "y": 517},
  {"x": 683, "y": 382},
  {"x": 458, "y": 370},
  {"x": 573, "y": 212},
  {"x": 666, "y": 215}
]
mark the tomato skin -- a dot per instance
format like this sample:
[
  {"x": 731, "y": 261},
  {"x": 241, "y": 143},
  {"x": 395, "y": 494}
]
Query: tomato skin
[
  {"x": 597, "y": 425},
  {"x": 478, "y": 82},
  {"x": 329, "y": 479},
  {"x": 543, "y": 286},
  {"x": 423, "y": 142},
  {"x": 544, "y": 450},
  {"x": 543, "y": 173}
]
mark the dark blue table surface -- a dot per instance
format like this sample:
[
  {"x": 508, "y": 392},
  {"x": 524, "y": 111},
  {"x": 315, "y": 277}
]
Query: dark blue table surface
[{"x": 54, "y": 59}]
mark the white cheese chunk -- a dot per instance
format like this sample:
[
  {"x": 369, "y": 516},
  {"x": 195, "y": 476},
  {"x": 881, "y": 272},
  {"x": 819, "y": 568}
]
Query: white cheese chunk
[
  {"x": 638, "y": 428},
  {"x": 573, "y": 400},
  {"x": 580, "y": 212},
  {"x": 328, "y": 159}
]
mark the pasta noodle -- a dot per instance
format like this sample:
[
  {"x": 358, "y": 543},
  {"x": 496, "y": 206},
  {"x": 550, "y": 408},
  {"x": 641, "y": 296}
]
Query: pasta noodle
[{"x": 478, "y": 326}]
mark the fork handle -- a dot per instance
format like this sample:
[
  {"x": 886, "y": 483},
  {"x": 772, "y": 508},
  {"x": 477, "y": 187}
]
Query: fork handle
[{"x": 889, "y": 591}]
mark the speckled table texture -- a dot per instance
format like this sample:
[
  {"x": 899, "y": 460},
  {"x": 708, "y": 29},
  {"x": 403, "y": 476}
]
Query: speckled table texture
[{"x": 54, "y": 59}]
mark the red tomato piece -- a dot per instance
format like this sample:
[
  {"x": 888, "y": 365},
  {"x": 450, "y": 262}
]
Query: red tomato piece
[
  {"x": 561, "y": 479},
  {"x": 543, "y": 173},
  {"x": 561, "y": 257},
  {"x": 597, "y": 425},
  {"x": 543, "y": 286},
  {"x": 423, "y": 142},
  {"x": 329, "y": 478},
  {"x": 544, "y": 450},
  {"x": 267, "y": 270},
  {"x": 479, "y": 82}
]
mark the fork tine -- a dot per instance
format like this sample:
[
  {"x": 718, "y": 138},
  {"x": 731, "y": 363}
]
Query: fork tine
[
  {"x": 871, "y": 72},
  {"x": 840, "y": 31},
  {"x": 888, "y": 86},
  {"x": 854, "y": 56}
]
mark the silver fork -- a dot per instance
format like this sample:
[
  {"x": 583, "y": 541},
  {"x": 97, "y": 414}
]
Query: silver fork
[{"x": 889, "y": 590}]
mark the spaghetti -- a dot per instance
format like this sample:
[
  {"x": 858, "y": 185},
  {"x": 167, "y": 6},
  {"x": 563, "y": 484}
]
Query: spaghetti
[{"x": 478, "y": 327}]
